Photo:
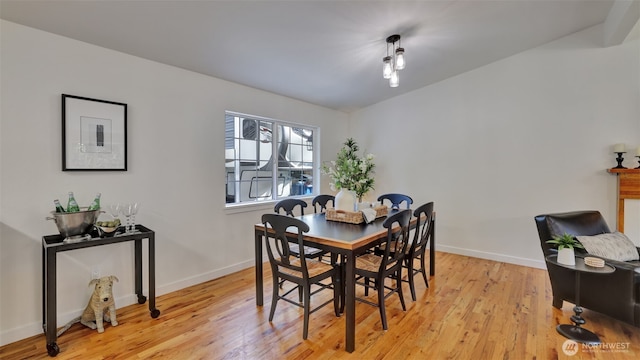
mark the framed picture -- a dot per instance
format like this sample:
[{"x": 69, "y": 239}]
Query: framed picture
[{"x": 94, "y": 134}]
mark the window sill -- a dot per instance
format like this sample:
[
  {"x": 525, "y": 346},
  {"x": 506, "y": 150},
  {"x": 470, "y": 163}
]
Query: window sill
[{"x": 262, "y": 205}]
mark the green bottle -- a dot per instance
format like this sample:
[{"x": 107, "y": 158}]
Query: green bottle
[
  {"x": 59, "y": 208},
  {"x": 95, "y": 205},
  {"x": 72, "y": 205}
]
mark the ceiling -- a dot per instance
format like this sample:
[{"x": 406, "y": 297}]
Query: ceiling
[{"x": 327, "y": 53}]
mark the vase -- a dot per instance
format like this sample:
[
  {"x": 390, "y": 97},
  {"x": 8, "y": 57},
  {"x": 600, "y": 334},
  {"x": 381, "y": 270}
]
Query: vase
[
  {"x": 345, "y": 200},
  {"x": 360, "y": 205},
  {"x": 566, "y": 256}
]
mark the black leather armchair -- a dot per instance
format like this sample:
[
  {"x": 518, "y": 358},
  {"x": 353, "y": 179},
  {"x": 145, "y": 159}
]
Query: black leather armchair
[{"x": 616, "y": 295}]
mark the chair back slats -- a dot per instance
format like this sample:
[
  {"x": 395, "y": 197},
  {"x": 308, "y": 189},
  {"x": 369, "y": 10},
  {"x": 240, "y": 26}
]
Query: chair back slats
[
  {"x": 322, "y": 202},
  {"x": 424, "y": 215},
  {"x": 397, "y": 239},
  {"x": 276, "y": 228},
  {"x": 289, "y": 205},
  {"x": 396, "y": 200}
]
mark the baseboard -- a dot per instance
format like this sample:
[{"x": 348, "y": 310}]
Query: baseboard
[
  {"x": 35, "y": 328},
  {"x": 200, "y": 278},
  {"x": 539, "y": 264}
]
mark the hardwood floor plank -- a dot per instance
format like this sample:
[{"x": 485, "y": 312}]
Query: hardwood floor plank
[{"x": 473, "y": 309}]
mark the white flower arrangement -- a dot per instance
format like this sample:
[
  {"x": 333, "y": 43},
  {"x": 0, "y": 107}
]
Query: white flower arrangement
[{"x": 351, "y": 172}]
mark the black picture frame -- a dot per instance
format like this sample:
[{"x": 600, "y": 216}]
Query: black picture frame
[{"x": 94, "y": 134}]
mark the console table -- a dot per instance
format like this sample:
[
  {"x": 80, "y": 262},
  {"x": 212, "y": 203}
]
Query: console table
[
  {"x": 576, "y": 332},
  {"x": 53, "y": 244}
]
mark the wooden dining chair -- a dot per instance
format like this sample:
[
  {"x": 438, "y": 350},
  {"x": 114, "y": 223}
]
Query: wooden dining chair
[
  {"x": 320, "y": 202},
  {"x": 372, "y": 266},
  {"x": 418, "y": 247},
  {"x": 396, "y": 200},
  {"x": 301, "y": 271},
  {"x": 289, "y": 206}
]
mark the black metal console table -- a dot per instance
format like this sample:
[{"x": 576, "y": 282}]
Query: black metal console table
[{"x": 53, "y": 244}]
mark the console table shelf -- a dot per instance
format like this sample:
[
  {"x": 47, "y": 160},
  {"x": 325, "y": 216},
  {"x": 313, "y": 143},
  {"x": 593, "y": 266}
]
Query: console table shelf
[{"x": 628, "y": 188}]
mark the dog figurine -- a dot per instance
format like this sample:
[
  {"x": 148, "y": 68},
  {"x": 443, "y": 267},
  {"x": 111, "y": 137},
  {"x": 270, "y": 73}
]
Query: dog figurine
[{"x": 101, "y": 305}]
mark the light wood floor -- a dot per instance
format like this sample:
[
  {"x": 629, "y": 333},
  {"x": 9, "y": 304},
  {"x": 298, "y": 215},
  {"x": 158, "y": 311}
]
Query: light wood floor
[{"x": 473, "y": 309}]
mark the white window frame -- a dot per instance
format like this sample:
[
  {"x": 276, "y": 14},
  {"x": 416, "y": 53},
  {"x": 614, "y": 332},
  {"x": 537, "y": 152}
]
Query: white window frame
[{"x": 236, "y": 182}]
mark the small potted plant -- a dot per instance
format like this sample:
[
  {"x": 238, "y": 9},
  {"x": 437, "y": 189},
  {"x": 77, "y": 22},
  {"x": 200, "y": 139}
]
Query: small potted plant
[{"x": 565, "y": 244}]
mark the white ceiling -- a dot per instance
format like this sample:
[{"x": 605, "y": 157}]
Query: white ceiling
[{"x": 324, "y": 52}]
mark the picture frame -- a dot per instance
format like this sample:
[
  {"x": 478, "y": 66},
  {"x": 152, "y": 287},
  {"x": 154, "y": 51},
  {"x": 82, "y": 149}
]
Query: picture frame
[{"x": 94, "y": 134}]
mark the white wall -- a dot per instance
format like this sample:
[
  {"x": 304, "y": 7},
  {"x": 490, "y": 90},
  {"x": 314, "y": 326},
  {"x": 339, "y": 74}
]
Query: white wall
[
  {"x": 492, "y": 147},
  {"x": 176, "y": 144},
  {"x": 495, "y": 146}
]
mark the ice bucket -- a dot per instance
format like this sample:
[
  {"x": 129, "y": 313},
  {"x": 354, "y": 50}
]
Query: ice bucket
[{"x": 75, "y": 223}]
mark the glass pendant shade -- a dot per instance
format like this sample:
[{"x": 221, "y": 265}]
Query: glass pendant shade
[
  {"x": 394, "y": 61},
  {"x": 386, "y": 70},
  {"x": 394, "y": 81},
  {"x": 400, "y": 58}
]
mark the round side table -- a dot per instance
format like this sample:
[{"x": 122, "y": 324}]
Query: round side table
[{"x": 576, "y": 332}]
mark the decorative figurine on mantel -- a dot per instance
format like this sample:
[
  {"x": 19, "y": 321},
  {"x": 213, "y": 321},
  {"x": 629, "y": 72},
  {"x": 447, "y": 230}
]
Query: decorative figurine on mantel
[{"x": 619, "y": 149}]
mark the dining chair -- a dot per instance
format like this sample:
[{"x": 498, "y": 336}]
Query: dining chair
[
  {"x": 301, "y": 271},
  {"x": 320, "y": 204},
  {"x": 372, "y": 266},
  {"x": 396, "y": 200},
  {"x": 416, "y": 251},
  {"x": 289, "y": 206},
  {"x": 322, "y": 201}
]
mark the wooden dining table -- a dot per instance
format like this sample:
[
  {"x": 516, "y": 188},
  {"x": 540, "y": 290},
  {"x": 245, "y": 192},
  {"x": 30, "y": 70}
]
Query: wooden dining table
[{"x": 349, "y": 240}]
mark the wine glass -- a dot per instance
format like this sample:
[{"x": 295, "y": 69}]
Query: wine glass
[
  {"x": 126, "y": 209},
  {"x": 114, "y": 210},
  {"x": 134, "y": 210}
]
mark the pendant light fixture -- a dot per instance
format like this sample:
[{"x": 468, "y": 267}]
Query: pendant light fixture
[{"x": 394, "y": 62}]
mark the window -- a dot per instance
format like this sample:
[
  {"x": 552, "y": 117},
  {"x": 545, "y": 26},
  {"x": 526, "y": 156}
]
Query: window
[{"x": 267, "y": 159}]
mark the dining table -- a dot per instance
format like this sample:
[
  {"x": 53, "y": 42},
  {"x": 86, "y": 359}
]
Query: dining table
[{"x": 340, "y": 238}]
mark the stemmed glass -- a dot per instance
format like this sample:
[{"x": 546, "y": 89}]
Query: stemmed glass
[
  {"x": 134, "y": 211},
  {"x": 129, "y": 211},
  {"x": 114, "y": 210},
  {"x": 125, "y": 209}
]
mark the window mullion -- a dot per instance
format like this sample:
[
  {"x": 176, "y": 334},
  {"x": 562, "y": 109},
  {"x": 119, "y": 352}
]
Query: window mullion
[{"x": 275, "y": 156}]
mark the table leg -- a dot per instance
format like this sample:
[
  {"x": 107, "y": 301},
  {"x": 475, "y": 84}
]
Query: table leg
[
  {"x": 50, "y": 327},
  {"x": 152, "y": 277},
  {"x": 138, "y": 270},
  {"x": 44, "y": 291},
  {"x": 576, "y": 332},
  {"x": 432, "y": 249},
  {"x": 350, "y": 302},
  {"x": 258, "y": 265}
]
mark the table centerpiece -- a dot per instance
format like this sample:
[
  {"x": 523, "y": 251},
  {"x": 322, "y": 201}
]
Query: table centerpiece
[{"x": 351, "y": 175}]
